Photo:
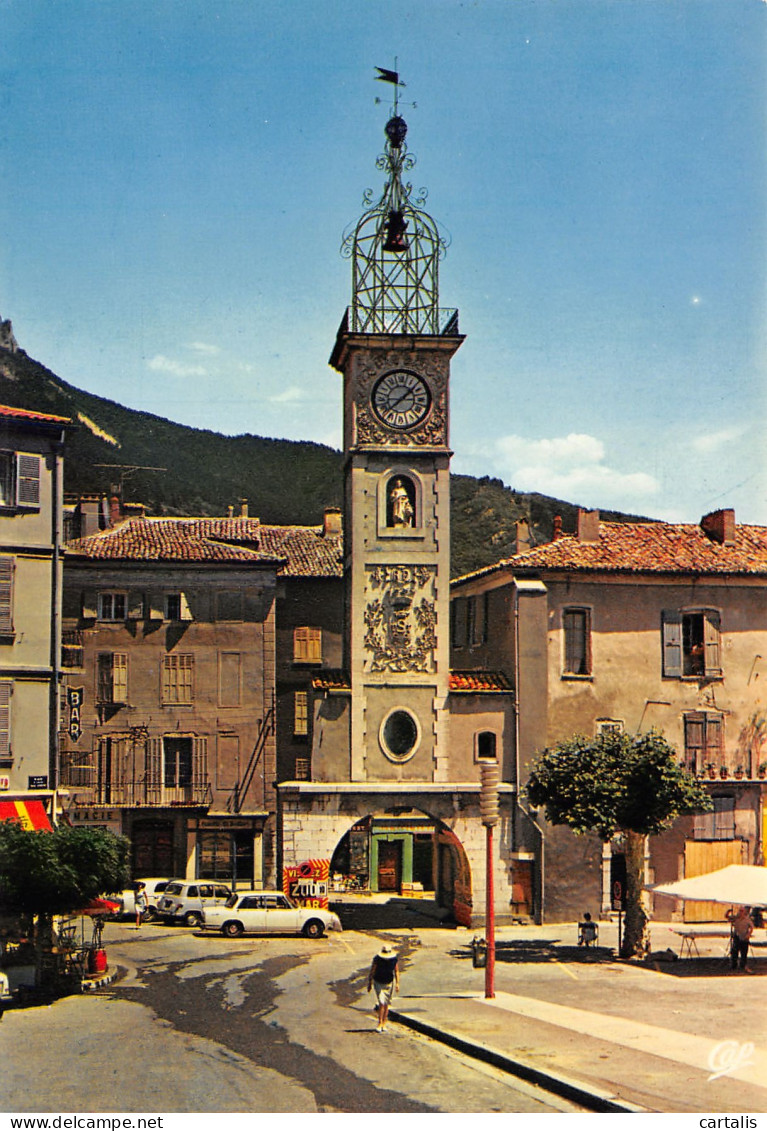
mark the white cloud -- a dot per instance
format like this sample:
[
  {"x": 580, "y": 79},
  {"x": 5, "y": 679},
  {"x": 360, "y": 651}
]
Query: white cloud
[
  {"x": 203, "y": 347},
  {"x": 163, "y": 364},
  {"x": 288, "y": 396},
  {"x": 570, "y": 467},
  {"x": 713, "y": 441}
]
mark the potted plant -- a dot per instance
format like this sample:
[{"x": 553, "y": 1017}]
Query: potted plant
[
  {"x": 711, "y": 770},
  {"x": 739, "y": 772},
  {"x": 723, "y": 771},
  {"x": 762, "y": 770}
]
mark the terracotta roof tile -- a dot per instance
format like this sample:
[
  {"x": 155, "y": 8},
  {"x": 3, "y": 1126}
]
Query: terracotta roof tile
[
  {"x": 34, "y": 417},
  {"x": 657, "y": 547},
  {"x": 299, "y": 551},
  {"x": 330, "y": 680},
  {"x": 479, "y": 681},
  {"x": 175, "y": 540}
]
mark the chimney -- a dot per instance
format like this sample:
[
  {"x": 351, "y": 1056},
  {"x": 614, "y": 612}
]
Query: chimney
[
  {"x": 331, "y": 522},
  {"x": 720, "y": 526},
  {"x": 87, "y": 515},
  {"x": 230, "y": 509},
  {"x": 557, "y": 533},
  {"x": 115, "y": 510},
  {"x": 523, "y": 536},
  {"x": 588, "y": 525},
  {"x": 243, "y": 508}
]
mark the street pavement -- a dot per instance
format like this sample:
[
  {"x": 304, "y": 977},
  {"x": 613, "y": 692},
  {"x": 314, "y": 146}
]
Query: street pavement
[
  {"x": 206, "y": 1024},
  {"x": 662, "y": 1035}
]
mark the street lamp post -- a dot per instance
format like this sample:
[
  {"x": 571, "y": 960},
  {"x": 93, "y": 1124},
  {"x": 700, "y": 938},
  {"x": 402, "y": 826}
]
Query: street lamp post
[{"x": 488, "y": 808}]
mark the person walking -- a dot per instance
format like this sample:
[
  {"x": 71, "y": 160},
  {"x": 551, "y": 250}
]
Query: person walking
[
  {"x": 742, "y": 928},
  {"x": 383, "y": 977},
  {"x": 141, "y": 903}
]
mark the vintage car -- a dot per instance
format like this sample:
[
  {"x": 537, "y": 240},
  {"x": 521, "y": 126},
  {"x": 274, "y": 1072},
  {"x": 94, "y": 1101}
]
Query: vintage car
[
  {"x": 267, "y": 913},
  {"x": 184, "y": 901}
]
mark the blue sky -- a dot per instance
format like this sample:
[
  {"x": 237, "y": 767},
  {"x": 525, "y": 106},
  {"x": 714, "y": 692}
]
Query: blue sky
[{"x": 177, "y": 176}]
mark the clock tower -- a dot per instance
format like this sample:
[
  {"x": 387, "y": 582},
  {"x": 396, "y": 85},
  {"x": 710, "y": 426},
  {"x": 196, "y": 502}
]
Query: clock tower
[{"x": 394, "y": 349}]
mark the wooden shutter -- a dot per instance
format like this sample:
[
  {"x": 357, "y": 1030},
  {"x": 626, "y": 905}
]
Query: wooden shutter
[
  {"x": 135, "y": 605},
  {"x": 28, "y": 480},
  {"x": 307, "y": 645},
  {"x": 575, "y": 623},
  {"x": 459, "y": 609},
  {"x": 185, "y": 612},
  {"x": 714, "y": 737},
  {"x": 694, "y": 743},
  {"x": 711, "y": 643},
  {"x": 6, "y": 689},
  {"x": 672, "y": 643},
  {"x": 6, "y": 596},
  {"x": 119, "y": 677},
  {"x": 199, "y": 761},
  {"x": 300, "y": 712},
  {"x": 153, "y": 776}
]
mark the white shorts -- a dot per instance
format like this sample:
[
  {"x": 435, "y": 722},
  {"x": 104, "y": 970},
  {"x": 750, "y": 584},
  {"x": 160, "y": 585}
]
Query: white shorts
[{"x": 383, "y": 992}]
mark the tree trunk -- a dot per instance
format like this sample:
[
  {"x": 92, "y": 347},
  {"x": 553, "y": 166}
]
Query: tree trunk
[{"x": 635, "y": 936}]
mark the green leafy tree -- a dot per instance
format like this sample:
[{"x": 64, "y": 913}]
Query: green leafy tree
[
  {"x": 617, "y": 784},
  {"x": 43, "y": 874}
]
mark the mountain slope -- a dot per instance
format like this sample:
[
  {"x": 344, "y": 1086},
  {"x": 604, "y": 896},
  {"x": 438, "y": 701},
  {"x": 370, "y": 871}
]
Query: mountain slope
[{"x": 205, "y": 472}]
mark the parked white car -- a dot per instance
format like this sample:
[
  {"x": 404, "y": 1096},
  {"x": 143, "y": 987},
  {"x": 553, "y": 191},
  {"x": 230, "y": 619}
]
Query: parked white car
[
  {"x": 154, "y": 887},
  {"x": 184, "y": 901},
  {"x": 266, "y": 913}
]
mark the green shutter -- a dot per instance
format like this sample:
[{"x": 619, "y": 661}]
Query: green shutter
[{"x": 6, "y": 596}]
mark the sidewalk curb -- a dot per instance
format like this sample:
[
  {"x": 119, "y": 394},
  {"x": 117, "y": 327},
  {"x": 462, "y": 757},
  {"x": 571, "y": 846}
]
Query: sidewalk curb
[{"x": 589, "y": 1096}]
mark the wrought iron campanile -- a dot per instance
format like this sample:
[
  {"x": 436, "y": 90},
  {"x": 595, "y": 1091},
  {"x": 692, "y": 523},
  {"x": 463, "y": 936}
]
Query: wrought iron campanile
[{"x": 395, "y": 248}]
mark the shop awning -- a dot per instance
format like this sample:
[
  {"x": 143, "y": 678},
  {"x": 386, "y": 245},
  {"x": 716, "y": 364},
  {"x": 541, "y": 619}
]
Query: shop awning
[{"x": 30, "y": 813}]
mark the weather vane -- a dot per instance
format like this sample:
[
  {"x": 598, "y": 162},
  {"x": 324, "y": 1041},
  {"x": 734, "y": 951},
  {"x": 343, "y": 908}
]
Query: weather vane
[{"x": 385, "y": 75}]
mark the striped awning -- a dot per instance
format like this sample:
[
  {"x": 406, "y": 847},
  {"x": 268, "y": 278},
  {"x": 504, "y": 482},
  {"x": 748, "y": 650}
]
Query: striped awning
[{"x": 30, "y": 813}]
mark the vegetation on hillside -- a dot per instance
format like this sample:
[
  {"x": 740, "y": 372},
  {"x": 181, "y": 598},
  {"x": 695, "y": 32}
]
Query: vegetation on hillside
[{"x": 283, "y": 481}]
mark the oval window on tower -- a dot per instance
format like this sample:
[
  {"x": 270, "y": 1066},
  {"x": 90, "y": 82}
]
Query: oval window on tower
[{"x": 400, "y": 735}]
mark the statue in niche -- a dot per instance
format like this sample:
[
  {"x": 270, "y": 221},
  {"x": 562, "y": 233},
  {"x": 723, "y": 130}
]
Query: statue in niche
[{"x": 400, "y": 503}]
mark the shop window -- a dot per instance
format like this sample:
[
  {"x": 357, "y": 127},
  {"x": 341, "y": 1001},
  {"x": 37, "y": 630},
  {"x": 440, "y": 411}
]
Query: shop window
[
  {"x": 718, "y": 823},
  {"x": 576, "y": 626},
  {"x": 300, "y": 713},
  {"x": 112, "y": 678},
  {"x": 177, "y": 679},
  {"x": 307, "y": 645},
  {"x": 19, "y": 481},
  {"x": 6, "y": 596},
  {"x": 691, "y": 644},
  {"x": 113, "y": 606}
]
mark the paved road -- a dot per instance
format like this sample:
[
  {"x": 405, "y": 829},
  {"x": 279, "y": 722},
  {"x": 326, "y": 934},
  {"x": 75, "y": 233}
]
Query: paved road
[{"x": 201, "y": 1023}]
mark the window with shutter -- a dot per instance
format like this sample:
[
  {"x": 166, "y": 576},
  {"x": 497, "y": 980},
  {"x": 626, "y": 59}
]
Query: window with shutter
[
  {"x": 307, "y": 645},
  {"x": 6, "y": 596},
  {"x": 703, "y": 740},
  {"x": 576, "y": 625},
  {"x": 300, "y": 713},
  {"x": 28, "y": 481},
  {"x": 691, "y": 644},
  {"x": 112, "y": 678},
  {"x": 177, "y": 679},
  {"x": 6, "y": 690}
]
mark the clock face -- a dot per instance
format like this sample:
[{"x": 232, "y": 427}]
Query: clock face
[{"x": 401, "y": 399}]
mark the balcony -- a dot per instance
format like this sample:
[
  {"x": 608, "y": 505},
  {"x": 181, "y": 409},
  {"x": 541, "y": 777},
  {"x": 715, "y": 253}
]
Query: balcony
[{"x": 725, "y": 766}]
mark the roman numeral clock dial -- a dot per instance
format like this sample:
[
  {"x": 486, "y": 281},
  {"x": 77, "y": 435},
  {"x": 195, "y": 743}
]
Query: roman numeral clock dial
[{"x": 401, "y": 399}]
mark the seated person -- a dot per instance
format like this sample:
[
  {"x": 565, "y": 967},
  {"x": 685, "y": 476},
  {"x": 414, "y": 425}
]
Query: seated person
[{"x": 587, "y": 931}]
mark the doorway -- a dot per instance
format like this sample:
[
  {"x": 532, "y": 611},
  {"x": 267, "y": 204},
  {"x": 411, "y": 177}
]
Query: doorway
[{"x": 389, "y": 865}]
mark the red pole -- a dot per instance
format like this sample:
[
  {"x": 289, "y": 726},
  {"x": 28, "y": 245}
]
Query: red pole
[{"x": 490, "y": 918}]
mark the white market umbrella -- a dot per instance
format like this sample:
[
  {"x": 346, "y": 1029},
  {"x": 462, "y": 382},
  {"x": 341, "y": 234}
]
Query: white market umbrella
[{"x": 744, "y": 884}]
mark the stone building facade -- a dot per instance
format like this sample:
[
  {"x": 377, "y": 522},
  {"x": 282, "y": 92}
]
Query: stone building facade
[
  {"x": 633, "y": 627},
  {"x": 169, "y": 706},
  {"x": 31, "y": 482}
]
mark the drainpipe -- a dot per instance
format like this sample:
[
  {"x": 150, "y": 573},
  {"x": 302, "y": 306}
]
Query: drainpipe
[
  {"x": 527, "y": 813},
  {"x": 53, "y": 697}
]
